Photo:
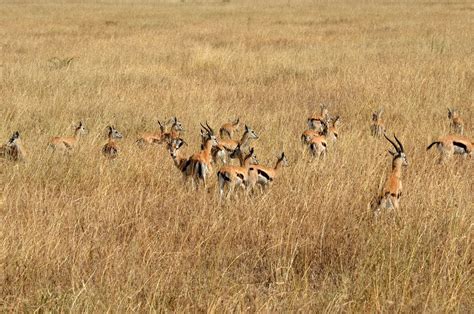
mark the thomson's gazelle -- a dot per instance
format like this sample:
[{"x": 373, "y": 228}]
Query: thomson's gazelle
[
  {"x": 453, "y": 144},
  {"x": 390, "y": 195},
  {"x": 68, "y": 142},
  {"x": 111, "y": 149},
  {"x": 13, "y": 150},
  {"x": 456, "y": 123}
]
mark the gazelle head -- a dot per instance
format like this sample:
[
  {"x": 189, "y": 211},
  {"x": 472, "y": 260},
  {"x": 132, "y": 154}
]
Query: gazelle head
[
  {"x": 236, "y": 122},
  {"x": 452, "y": 113},
  {"x": 14, "y": 138},
  {"x": 251, "y": 132},
  {"x": 238, "y": 153},
  {"x": 162, "y": 127},
  {"x": 399, "y": 153},
  {"x": 334, "y": 120},
  {"x": 208, "y": 135},
  {"x": 174, "y": 146},
  {"x": 80, "y": 128},
  {"x": 114, "y": 133},
  {"x": 176, "y": 125},
  {"x": 282, "y": 160},
  {"x": 377, "y": 115}
]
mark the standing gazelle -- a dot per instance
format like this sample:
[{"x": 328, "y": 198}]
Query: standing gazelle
[
  {"x": 318, "y": 144},
  {"x": 13, "y": 149},
  {"x": 228, "y": 129},
  {"x": 332, "y": 129},
  {"x": 201, "y": 161},
  {"x": 392, "y": 190},
  {"x": 227, "y": 146},
  {"x": 110, "y": 149},
  {"x": 183, "y": 164},
  {"x": 68, "y": 142},
  {"x": 233, "y": 176},
  {"x": 456, "y": 123},
  {"x": 377, "y": 127},
  {"x": 315, "y": 121},
  {"x": 453, "y": 144},
  {"x": 264, "y": 176}
]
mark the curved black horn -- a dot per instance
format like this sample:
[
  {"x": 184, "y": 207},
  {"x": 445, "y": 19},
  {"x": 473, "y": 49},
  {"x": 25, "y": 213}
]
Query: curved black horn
[
  {"x": 210, "y": 129},
  {"x": 393, "y": 143},
  {"x": 204, "y": 128},
  {"x": 399, "y": 143}
]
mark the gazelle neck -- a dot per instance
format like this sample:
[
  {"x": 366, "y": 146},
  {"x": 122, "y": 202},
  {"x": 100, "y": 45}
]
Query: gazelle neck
[
  {"x": 207, "y": 146},
  {"x": 246, "y": 161},
  {"x": 77, "y": 134},
  {"x": 278, "y": 164},
  {"x": 397, "y": 166},
  {"x": 244, "y": 140}
]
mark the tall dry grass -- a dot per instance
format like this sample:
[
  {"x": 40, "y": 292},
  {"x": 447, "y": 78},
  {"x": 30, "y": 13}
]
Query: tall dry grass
[{"x": 82, "y": 234}]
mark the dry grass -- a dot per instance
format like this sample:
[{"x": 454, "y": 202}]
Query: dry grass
[{"x": 79, "y": 233}]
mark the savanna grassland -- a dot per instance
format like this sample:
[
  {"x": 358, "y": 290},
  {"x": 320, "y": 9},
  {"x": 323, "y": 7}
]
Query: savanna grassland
[{"x": 82, "y": 233}]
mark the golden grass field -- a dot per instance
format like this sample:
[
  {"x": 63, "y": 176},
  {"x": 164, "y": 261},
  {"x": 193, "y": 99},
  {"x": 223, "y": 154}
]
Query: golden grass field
[{"x": 80, "y": 233}]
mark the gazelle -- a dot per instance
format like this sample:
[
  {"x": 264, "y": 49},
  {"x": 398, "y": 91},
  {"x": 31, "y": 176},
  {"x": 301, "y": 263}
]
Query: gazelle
[
  {"x": 233, "y": 176},
  {"x": 333, "y": 133},
  {"x": 182, "y": 163},
  {"x": 264, "y": 176},
  {"x": 227, "y": 146},
  {"x": 456, "y": 123},
  {"x": 314, "y": 122},
  {"x": 175, "y": 130},
  {"x": 68, "y": 142},
  {"x": 318, "y": 144},
  {"x": 151, "y": 137},
  {"x": 110, "y": 149},
  {"x": 162, "y": 135},
  {"x": 390, "y": 196},
  {"x": 377, "y": 128},
  {"x": 453, "y": 144},
  {"x": 201, "y": 161},
  {"x": 13, "y": 150},
  {"x": 228, "y": 129}
]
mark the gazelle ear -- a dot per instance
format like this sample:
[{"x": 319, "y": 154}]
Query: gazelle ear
[{"x": 246, "y": 128}]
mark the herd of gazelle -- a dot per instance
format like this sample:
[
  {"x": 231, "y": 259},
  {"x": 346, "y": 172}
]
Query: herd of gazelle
[{"x": 322, "y": 131}]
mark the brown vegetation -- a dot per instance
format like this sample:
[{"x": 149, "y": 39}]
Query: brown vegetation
[{"x": 83, "y": 233}]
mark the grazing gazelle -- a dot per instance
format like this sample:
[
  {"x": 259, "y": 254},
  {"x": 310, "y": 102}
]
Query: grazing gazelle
[
  {"x": 456, "y": 123},
  {"x": 201, "y": 161},
  {"x": 233, "y": 176},
  {"x": 453, "y": 144},
  {"x": 264, "y": 176},
  {"x": 68, "y": 142},
  {"x": 13, "y": 149},
  {"x": 392, "y": 190},
  {"x": 314, "y": 122},
  {"x": 110, "y": 149},
  {"x": 377, "y": 127},
  {"x": 227, "y": 146},
  {"x": 228, "y": 129},
  {"x": 318, "y": 144}
]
